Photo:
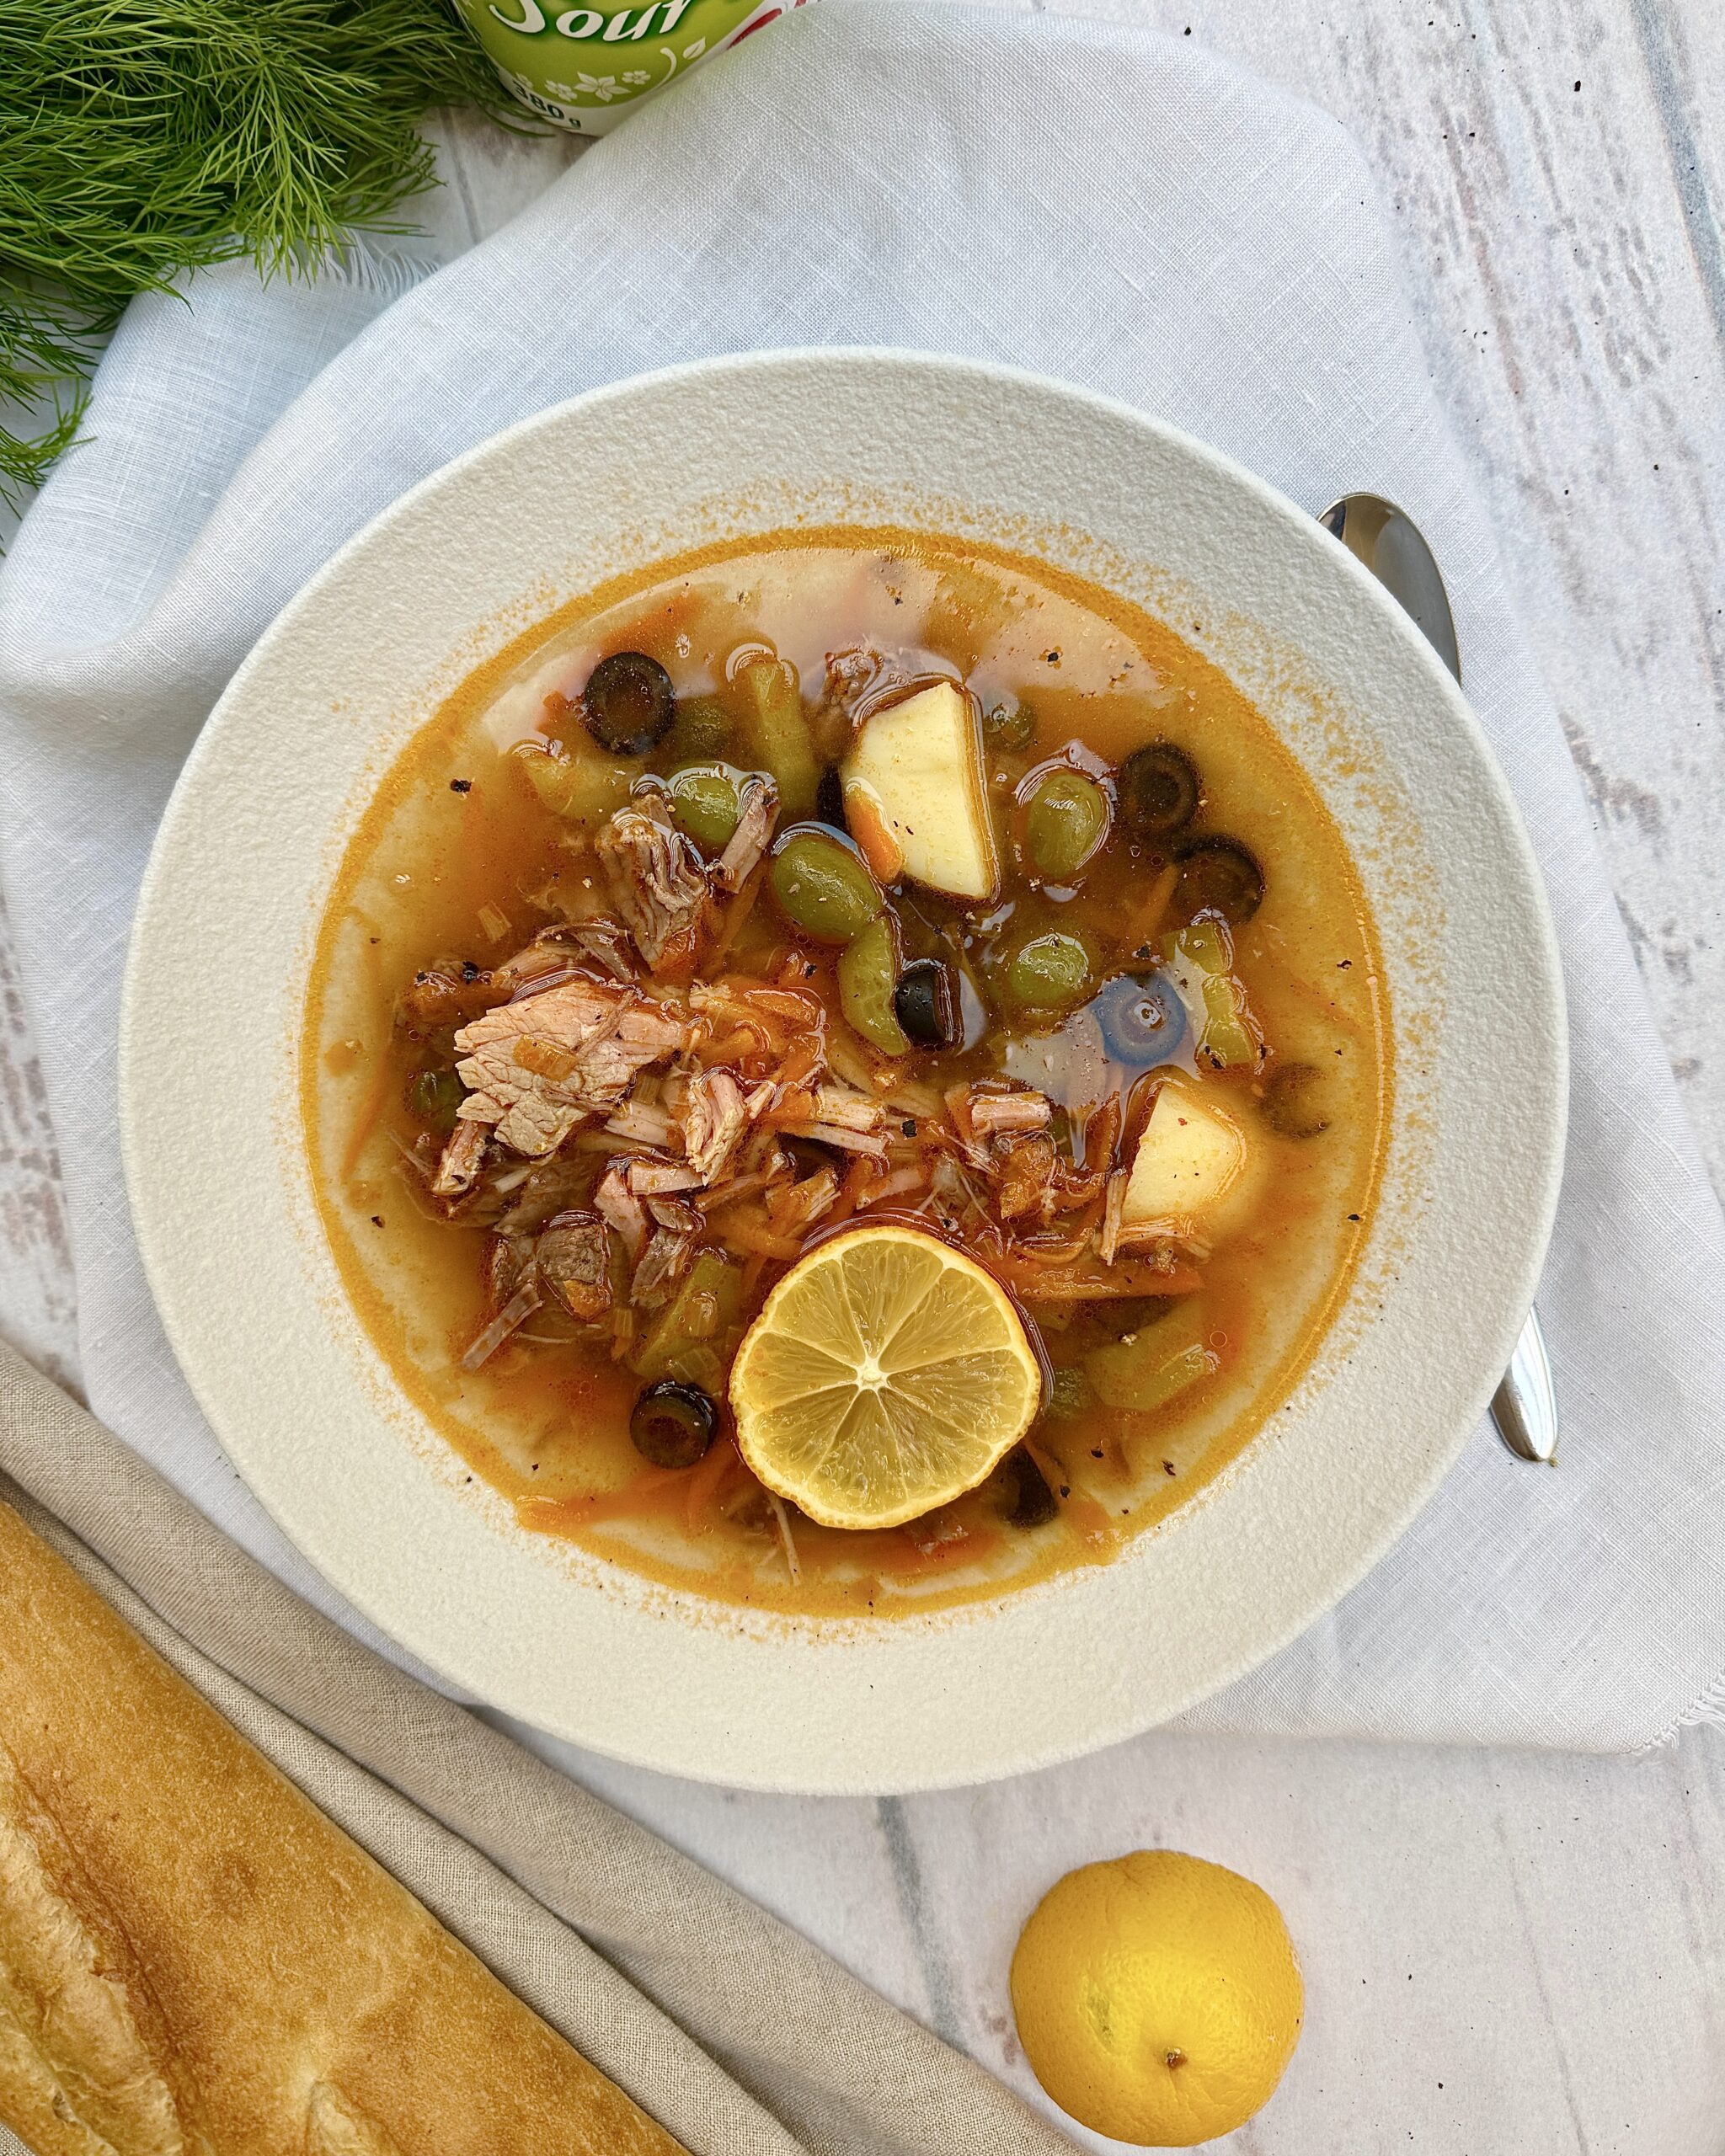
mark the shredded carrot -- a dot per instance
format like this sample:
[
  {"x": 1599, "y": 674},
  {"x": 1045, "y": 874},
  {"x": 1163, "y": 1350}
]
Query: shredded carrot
[
  {"x": 1147, "y": 925},
  {"x": 733, "y": 1047},
  {"x": 1037, "y": 1285},
  {"x": 735, "y": 915},
  {"x": 801, "y": 1062},
  {"x": 795, "y": 1003},
  {"x": 899, "y": 1184},
  {"x": 861, "y": 1183},
  {"x": 795, "y": 1104},
  {"x": 653, "y": 1490},
  {"x": 1098, "y": 1529},
  {"x": 745, "y": 1234},
  {"x": 792, "y": 1564},
  {"x": 899, "y": 1554},
  {"x": 705, "y": 1482},
  {"x": 843, "y": 1206},
  {"x": 376, "y": 1094}
]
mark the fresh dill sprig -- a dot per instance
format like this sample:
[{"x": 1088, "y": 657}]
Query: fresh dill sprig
[{"x": 140, "y": 138}]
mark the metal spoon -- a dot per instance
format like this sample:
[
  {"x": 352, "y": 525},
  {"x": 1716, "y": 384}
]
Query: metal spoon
[{"x": 1391, "y": 545}]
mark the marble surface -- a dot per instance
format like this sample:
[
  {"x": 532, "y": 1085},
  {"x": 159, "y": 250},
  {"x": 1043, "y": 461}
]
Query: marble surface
[{"x": 1504, "y": 1952}]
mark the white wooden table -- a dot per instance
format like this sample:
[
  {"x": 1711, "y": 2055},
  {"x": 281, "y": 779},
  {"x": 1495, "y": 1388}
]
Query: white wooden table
[{"x": 1508, "y": 1954}]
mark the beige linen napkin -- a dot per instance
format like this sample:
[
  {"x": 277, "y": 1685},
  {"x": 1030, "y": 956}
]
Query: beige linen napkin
[{"x": 740, "y": 2036}]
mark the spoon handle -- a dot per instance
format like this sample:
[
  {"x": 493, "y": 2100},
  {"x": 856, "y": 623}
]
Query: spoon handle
[
  {"x": 1391, "y": 545},
  {"x": 1525, "y": 1406}
]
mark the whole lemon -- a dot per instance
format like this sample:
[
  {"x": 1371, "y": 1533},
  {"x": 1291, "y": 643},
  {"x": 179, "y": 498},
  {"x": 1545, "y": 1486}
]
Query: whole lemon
[{"x": 1158, "y": 1998}]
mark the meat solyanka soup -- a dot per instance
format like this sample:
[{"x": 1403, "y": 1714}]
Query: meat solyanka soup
[{"x": 847, "y": 1073}]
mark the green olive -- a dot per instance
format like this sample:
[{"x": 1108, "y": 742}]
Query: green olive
[
  {"x": 1009, "y": 724},
  {"x": 823, "y": 886},
  {"x": 706, "y": 803},
  {"x": 868, "y": 974},
  {"x": 1066, "y": 820},
  {"x": 1069, "y": 1394},
  {"x": 1054, "y": 971},
  {"x": 434, "y": 1097},
  {"x": 701, "y": 731}
]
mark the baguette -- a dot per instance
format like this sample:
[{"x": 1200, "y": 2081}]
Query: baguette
[{"x": 194, "y": 1961}]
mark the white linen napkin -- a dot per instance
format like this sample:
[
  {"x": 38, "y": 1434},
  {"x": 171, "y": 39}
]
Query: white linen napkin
[{"x": 1076, "y": 197}]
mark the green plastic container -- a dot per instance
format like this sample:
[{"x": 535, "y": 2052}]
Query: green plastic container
[{"x": 583, "y": 68}]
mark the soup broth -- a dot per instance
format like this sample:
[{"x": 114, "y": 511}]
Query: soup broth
[{"x": 828, "y": 877}]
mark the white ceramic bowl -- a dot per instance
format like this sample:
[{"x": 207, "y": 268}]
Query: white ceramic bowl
[{"x": 249, "y": 1292}]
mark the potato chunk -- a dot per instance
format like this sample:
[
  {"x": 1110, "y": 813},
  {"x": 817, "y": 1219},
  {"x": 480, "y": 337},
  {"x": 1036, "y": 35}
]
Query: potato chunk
[
  {"x": 914, "y": 796},
  {"x": 1190, "y": 1157}
]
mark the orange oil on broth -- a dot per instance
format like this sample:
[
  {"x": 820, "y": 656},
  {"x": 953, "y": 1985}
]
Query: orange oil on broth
[{"x": 548, "y": 1427}]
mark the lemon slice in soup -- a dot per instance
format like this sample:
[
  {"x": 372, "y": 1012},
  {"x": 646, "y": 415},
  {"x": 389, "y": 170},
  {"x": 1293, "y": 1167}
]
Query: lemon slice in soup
[
  {"x": 914, "y": 796},
  {"x": 886, "y": 1374}
]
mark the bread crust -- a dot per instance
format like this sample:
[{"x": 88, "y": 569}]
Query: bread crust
[{"x": 194, "y": 1961}]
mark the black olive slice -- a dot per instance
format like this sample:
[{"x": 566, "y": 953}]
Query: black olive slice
[
  {"x": 1034, "y": 1504},
  {"x": 1218, "y": 876},
  {"x": 926, "y": 1004},
  {"x": 829, "y": 798},
  {"x": 1293, "y": 1100},
  {"x": 628, "y": 703},
  {"x": 1159, "y": 790},
  {"x": 673, "y": 1423}
]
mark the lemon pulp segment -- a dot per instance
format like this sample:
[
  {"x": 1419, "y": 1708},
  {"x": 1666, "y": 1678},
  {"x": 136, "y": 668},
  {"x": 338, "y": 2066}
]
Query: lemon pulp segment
[{"x": 885, "y": 1375}]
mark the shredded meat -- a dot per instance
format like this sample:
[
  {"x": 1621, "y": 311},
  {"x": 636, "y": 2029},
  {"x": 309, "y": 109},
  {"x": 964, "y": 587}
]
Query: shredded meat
[
  {"x": 749, "y": 841},
  {"x": 658, "y": 882},
  {"x": 836, "y": 1134},
  {"x": 645, "y": 1122},
  {"x": 438, "y": 997},
  {"x": 538, "y": 1067},
  {"x": 572, "y": 1256},
  {"x": 458, "y": 1170},
  {"x": 606, "y": 945},
  {"x": 660, "y": 1266},
  {"x": 1025, "y": 1178},
  {"x": 506, "y": 1259},
  {"x": 618, "y": 1205},
  {"x": 851, "y": 1110},
  {"x": 856, "y": 681},
  {"x": 532, "y": 1197},
  {"x": 715, "y": 1119},
  {"x": 520, "y": 1307},
  {"x": 804, "y": 1202},
  {"x": 1003, "y": 1115},
  {"x": 1113, "y": 1209},
  {"x": 657, "y": 1178}
]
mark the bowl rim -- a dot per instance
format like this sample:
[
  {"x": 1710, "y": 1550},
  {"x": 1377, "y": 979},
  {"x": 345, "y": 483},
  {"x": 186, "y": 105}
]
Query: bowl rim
[{"x": 141, "y": 1038}]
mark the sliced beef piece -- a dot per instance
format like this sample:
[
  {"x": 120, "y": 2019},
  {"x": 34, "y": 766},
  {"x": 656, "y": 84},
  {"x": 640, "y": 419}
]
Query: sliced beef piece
[
  {"x": 463, "y": 1156},
  {"x": 536, "y": 1068},
  {"x": 715, "y": 1119},
  {"x": 572, "y": 1255},
  {"x": 659, "y": 884}
]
